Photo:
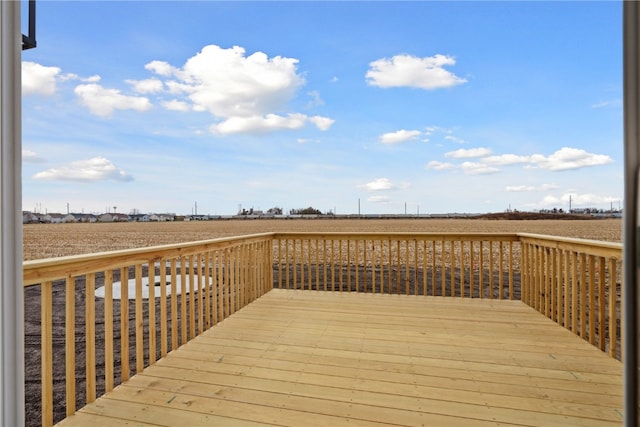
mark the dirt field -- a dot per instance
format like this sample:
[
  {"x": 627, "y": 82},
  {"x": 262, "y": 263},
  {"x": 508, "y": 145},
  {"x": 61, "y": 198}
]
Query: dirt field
[{"x": 55, "y": 240}]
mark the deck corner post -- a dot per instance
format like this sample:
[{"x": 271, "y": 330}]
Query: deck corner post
[
  {"x": 631, "y": 231},
  {"x": 12, "y": 412}
]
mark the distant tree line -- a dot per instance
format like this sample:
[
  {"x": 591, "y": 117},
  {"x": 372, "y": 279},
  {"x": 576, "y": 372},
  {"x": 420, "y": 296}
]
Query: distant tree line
[
  {"x": 305, "y": 211},
  {"x": 588, "y": 211},
  {"x": 276, "y": 210}
]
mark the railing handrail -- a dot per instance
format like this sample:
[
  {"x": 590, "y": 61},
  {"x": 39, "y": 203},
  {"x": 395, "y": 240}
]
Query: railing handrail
[
  {"x": 362, "y": 235},
  {"x": 602, "y": 248},
  {"x": 41, "y": 270}
]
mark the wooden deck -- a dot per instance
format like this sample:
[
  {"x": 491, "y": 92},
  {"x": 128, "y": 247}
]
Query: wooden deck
[{"x": 310, "y": 358}]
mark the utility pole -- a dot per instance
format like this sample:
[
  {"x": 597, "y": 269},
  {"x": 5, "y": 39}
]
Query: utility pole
[{"x": 570, "y": 210}]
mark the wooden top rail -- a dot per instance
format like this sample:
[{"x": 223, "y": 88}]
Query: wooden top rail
[
  {"x": 592, "y": 247},
  {"x": 447, "y": 236},
  {"x": 42, "y": 270}
]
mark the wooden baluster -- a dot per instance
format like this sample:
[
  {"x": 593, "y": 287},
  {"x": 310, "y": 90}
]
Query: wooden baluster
[
  {"x": 90, "y": 336},
  {"x": 500, "y": 270},
  {"x": 424, "y": 268},
  {"x": 613, "y": 312},
  {"x": 46, "y": 351},
  {"x": 124, "y": 324},
  {"x": 583, "y": 295},
  {"x": 70, "y": 345},
  {"x": 151, "y": 307},
  {"x": 108, "y": 330},
  {"x": 511, "y": 296},
  {"x": 183, "y": 299},
  {"x": 602, "y": 304},
  {"x": 206, "y": 273},
  {"x": 139, "y": 321},
  {"x": 592, "y": 299},
  {"x": 174, "y": 305}
]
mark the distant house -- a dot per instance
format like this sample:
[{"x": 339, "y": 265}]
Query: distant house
[
  {"x": 162, "y": 217},
  {"x": 85, "y": 218},
  {"x": 113, "y": 217},
  {"x": 120, "y": 217},
  {"x": 69, "y": 218},
  {"x": 55, "y": 218},
  {"x": 138, "y": 218},
  {"x": 29, "y": 217}
]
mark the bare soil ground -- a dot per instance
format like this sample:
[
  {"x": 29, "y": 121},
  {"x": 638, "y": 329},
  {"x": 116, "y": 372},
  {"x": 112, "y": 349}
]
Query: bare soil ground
[{"x": 55, "y": 240}]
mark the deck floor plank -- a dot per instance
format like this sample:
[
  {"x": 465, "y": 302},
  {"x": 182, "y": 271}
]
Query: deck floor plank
[{"x": 303, "y": 358}]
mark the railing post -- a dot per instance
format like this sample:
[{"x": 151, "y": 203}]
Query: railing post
[{"x": 11, "y": 290}]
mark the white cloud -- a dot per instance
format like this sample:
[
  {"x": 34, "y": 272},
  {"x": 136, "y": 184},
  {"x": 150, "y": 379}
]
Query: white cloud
[
  {"x": 67, "y": 77},
  {"x": 268, "y": 123},
  {"x": 411, "y": 71},
  {"x": 228, "y": 84},
  {"x": 527, "y": 188},
  {"x": 162, "y": 68},
  {"x": 468, "y": 153},
  {"x": 577, "y": 200},
  {"x": 472, "y": 168},
  {"x": 608, "y": 103},
  {"x": 439, "y": 166},
  {"x": 520, "y": 188},
  {"x": 379, "y": 199},
  {"x": 246, "y": 93},
  {"x": 399, "y": 136},
  {"x": 322, "y": 123},
  {"x": 564, "y": 159},
  {"x": 146, "y": 86},
  {"x": 31, "y": 157},
  {"x": 102, "y": 101},
  {"x": 177, "y": 88},
  {"x": 176, "y": 105},
  {"x": 94, "y": 169},
  {"x": 588, "y": 199},
  {"x": 547, "y": 187},
  {"x": 569, "y": 158},
  {"x": 455, "y": 139},
  {"x": 258, "y": 124},
  {"x": 379, "y": 184},
  {"x": 38, "y": 79},
  {"x": 316, "y": 100},
  {"x": 93, "y": 79},
  {"x": 506, "y": 159}
]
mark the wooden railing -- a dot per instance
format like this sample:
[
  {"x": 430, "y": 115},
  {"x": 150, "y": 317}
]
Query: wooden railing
[
  {"x": 194, "y": 286},
  {"x": 576, "y": 283},
  {"x": 446, "y": 264}
]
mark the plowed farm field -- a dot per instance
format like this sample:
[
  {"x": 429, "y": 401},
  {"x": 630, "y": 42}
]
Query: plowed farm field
[{"x": 56, "y": 240}]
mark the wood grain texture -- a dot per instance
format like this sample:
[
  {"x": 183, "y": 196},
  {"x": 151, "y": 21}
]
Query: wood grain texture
[{"x": 297, "y": 357}]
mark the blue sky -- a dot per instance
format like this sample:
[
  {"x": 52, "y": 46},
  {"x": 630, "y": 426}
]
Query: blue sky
[{"x": 431, "y": 107}]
